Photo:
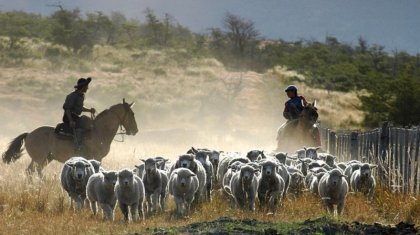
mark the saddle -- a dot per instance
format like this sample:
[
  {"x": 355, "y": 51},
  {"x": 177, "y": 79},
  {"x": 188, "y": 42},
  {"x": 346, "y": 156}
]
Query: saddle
[{"x": 63, "y": 129}]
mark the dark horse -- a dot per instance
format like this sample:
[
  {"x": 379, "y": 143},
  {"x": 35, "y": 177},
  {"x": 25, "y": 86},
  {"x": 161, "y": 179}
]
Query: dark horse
[
  {"x": 300, "y": 132},
  {"x": 44, "y": 145}
]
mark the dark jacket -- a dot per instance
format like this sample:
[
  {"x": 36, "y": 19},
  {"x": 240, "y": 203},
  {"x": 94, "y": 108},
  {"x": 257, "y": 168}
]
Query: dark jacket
[
  {"x": 74, "y": 102},
  {"x": 293, "y": 107}
]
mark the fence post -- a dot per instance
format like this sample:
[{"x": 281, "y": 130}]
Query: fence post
[
  {"x": 416, "y": 162},
  {"x": 354, "y": 145},
  {"x": 383, "y": 151},
  {"x": 332, "y": 143}
]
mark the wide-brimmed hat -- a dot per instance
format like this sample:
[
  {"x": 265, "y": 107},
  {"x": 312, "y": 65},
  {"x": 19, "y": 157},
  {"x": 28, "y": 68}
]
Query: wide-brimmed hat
[{"x": 82, "y": 82}]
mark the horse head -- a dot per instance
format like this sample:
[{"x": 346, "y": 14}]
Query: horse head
[
  {"x": 126, "y": 117},
  {"x": 310, "y": 113}
]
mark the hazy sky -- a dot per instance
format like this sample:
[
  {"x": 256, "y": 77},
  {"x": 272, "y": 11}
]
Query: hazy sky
[{"x": 394, "y": 24}]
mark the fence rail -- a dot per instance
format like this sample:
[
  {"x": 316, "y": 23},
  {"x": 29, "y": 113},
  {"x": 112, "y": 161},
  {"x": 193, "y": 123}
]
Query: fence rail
[{"x": 395, "y": 151}]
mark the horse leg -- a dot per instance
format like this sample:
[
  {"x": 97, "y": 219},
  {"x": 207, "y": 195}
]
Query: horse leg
[
  {"x": 39, "y": 168},
  {"x": 30, "y": 170}
]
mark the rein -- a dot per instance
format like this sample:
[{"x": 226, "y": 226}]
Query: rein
[{"x": 122, "y": 131}]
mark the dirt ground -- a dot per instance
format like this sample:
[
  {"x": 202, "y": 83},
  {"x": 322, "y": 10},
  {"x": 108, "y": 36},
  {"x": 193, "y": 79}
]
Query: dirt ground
[{"x": 323, "y": 225}]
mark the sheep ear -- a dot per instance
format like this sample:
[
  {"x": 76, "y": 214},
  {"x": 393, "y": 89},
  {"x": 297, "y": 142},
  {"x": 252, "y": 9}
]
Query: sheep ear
[
  {"x": 142, "y": 160},
  {"x": 137, "y": 166},
  {"x": 70, "y": 164},
  {"x": 317, "y": 148},
  {"x": 194, "y": 150},
  {"x": 104, "y": 173},
  {"x": 304, "y": 147},
  {"x": 372, "y": 166},
  {"x": 195, "y": 169},
  {"x": 192, "y": 174},
  {"x": 247, "y": 155},
  {"x": 287, "y": 154},
  {"x": 345, "y": 176},
  {"x": 256, "y": 170}
]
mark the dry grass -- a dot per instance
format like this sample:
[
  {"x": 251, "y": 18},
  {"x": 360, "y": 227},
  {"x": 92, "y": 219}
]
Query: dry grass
[
  {"x": 42, "y": 208},
  {"x": 181, "y": 102}
]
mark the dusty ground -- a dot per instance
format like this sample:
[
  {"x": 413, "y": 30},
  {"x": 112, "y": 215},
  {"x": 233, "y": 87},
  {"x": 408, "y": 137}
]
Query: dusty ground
[{"x": 322, "y": 225}]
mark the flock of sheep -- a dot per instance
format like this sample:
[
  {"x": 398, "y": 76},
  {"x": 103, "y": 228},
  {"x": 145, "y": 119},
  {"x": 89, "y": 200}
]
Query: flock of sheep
[{"x": 244, "y": 179}]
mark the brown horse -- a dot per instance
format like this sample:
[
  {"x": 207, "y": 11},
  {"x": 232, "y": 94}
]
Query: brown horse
[
  {"x": 44, "y": 145},
  {"x": 300, "y": 132}
]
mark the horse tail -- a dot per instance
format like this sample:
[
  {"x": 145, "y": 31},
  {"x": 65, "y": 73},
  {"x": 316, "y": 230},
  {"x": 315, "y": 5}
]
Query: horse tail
[{"x": 14, "y": 152}]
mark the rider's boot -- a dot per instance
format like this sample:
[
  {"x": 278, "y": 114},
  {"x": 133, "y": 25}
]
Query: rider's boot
[{"x": 79, "y": 142}]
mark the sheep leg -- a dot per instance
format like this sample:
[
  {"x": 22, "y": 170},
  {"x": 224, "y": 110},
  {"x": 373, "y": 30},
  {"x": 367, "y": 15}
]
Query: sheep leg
[
  {"x": 330, "y": 208},
  {"x": 124, "y": 211},
  {"x": 370, "y": 194},
  {"x": 209, "y": 186},
  {"x": 141, "y": 209},
  {"x": 252, "y": 201},
  {"x": 77, "y": 200},
  {"x": 155, "y": 201},
  {"x": 188, "y": 202},
  {"x": 162, "y": 201},
  {"x": 179, "y": 204},
  {"x": 340, "y": 207},
  {"x": 149, "y": 203},
  {"x": 261, "y": 198},
  {"x": 93, "y": 207},
  {"x": 108, "y": 211},
  {"x": 134, "y": 209},
  {"x": 71, "y": 202}
]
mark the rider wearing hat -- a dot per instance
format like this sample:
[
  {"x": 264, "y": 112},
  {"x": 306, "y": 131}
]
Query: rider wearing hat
[
  {"x": 294, "y": 106},
  {"x": 73, "y": 108}
]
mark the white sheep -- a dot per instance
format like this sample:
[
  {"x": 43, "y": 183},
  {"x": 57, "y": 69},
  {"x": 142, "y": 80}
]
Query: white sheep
[
  {"x": 183, "y": 185},
  {"x": 96, "y": 165},
  {"x": 363, "y": 181},
  {"x": 74, "y": 177},
  {"x": 100, "y": 188},
  {"x": 129, "y": 191},
  {"x": 311, "y": 152},
  {"x": 313, "y": 185},
  {"x": 224, "y": 163},
  {"x": 351, "y": 167},
  {"x": 333, "y": 190},
  {"x": 243, "y": 187},
  {"x": 188, "y": 161},
  {"x": 203, "y": 156},
  {"x": 155, "y": 181},
  {"x": 232, "y": 169},
  {"x": 270, "y": 185}
]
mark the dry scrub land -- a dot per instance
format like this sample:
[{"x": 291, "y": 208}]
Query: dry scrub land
[{"x": 180, "y": 102}]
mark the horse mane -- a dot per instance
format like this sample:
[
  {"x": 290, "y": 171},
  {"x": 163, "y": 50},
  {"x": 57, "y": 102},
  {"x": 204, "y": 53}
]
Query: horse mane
[{"x": 103, "y": 113}]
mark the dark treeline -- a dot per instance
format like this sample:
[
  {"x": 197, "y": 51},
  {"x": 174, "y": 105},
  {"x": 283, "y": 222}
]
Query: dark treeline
[{"x": 389, "y": 83}]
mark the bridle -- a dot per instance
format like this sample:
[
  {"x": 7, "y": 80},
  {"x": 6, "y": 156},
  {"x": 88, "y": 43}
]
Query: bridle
[{"x": 122, "y": 131}]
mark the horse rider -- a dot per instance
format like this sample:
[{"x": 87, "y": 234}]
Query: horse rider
[
  {"x": 295, "y": 105},
  {"x": 73, "y": 108}
]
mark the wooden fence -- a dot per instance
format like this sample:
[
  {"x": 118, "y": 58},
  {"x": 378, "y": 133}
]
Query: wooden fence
[{"x": 395, "y": 151}]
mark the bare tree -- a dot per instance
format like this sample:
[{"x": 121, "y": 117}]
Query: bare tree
[
  {"x": 240, "y": 32},
  {"x": 233, "y": 86}
]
